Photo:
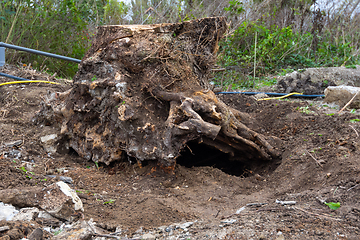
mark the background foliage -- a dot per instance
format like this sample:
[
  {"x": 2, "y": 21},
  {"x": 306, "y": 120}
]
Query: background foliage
[{"x": 265, "y": 36}]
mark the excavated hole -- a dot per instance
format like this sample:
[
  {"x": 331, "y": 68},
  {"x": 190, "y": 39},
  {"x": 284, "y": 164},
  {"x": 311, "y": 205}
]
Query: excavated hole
[{"x": 203, "y": 155}]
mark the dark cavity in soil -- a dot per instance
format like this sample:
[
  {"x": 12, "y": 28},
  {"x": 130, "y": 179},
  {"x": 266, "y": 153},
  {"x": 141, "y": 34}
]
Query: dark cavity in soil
[{"x": 196, "y": 155}]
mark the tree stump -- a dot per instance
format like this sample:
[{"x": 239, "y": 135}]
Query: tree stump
[{"x": 143, "y": 91}]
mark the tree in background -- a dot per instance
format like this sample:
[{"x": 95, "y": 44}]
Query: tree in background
[
  {"x": 115, "y": 12},
  {"x": 286, "y": 33}
]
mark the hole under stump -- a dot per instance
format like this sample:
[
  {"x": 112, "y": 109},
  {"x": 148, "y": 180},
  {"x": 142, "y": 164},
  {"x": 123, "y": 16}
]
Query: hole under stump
[{"x": 197, "y": 154}]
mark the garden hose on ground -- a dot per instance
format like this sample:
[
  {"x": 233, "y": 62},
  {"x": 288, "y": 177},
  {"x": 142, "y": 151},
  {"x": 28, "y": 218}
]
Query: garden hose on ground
[
  {"x": 285, "y": 96},
  {"x": 28, "y": 81},
  {"x": 274, "y": 94}
]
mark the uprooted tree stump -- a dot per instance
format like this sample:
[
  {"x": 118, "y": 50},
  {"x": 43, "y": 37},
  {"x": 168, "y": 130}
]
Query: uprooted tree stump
[{"x": 143, "y": 91}]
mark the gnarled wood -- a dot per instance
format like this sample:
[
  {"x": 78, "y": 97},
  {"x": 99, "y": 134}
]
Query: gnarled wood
[{"x": 143, "y": 91}]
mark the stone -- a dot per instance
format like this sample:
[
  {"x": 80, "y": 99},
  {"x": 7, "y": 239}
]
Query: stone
[
  {"x": 37, "y": 234},
  {"x": 228, "y": 221},
  {"x": 49, "y": 143},
  {"x": 341, "y": 95},
  {"x": 260, "y": 96},
  {"x": 7, "y": 212},
  {"x": 14, "y": 143},
  {"x": 61, "y": 201},
  {"x": 185, "y": 225},
  {"x": 78, "y": 231},
  {"x": 148, "y": 236},
  {"x": 26, "y": 214},
  {"x": 4, "y": 228},
  {"x": 315, "y": 80}
]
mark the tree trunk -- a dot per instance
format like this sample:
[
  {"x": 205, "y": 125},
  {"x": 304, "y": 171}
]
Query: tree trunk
[{"x": 143, "y": 91}]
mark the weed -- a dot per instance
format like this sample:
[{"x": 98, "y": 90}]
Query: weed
[
  {"x": 57, "y": 232},
  {"x": 333, "y": 205},
  {"x": 109, "y": 202},
  {"x": 305, "y": 110},
  {"x": 355, "y": 120}
]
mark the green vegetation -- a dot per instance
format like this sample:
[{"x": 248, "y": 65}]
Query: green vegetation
[
  {"x": 109, "y": 202},
  {"x": 332, "y": 205},
  {"x": 305, "y": 110},
  {"x": 27, "y": 173},
  {"x": 355, "y": 120},
  {"x": 265, "y": 37},
  {"x": 269, "y": 44}
]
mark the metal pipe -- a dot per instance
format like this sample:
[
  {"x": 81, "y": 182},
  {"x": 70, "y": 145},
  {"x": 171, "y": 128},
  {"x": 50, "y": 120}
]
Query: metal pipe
[
  {"x": 13, "y": 77},
  {"x": 2, "y": 56},
  {"x": 39, "y": 52},
  {"x": 272, "y": 94}
]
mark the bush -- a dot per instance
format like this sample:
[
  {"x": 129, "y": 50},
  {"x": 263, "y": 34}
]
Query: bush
[{"x": 58, "y": 27}]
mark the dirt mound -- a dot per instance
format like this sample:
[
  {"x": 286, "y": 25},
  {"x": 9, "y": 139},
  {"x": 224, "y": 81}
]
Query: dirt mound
[{"x": 320, "y": 163}]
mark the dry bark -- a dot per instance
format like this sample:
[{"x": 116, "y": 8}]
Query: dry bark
[{"x": 143, "y": 91}]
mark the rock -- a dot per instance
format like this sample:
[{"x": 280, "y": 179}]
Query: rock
[
  {"x": 285, "y": 202},
  {"x": 24, "y": 197},
  {"x": 7, "y": 212},
  {"x": 315, "y": 80},
  {"x": 260, "y": 96},
  {"x": 66, "y": 179},
  {"x": 26, "y": 214},
  {"x": 37, "y": 234},
  {"x": 60, "y": 201},
  {"x": 82, "y": 230},
  {"x": 341, "y": 95},
  {"x": 227, "y": 222},
  {"x": 50, "y": 143},
  {"x": 61, "y": 178},
  {"x": 45, "y": 219},
  {"x": 280, "y": 236},
  {"x": 78, "y": 231},
  {"x": 148, "y": 236},
  {"x": 4, "y": 228},
  {"x": 14, "y": 143},
  {"x": 185, "y": 225}
]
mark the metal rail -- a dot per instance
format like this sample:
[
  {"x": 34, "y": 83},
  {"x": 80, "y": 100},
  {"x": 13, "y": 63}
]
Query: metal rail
[
  {"x": 13, "y": 77},
  {"x": 5, "y": 45}
]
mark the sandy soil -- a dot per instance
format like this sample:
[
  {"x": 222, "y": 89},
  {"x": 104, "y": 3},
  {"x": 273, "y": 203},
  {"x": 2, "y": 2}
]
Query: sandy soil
[{"x": 320, "y": 163}]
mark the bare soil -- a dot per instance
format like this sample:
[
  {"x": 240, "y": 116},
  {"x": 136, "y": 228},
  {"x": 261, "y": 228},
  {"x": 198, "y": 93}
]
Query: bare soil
[{"x": 320, "y": 162}]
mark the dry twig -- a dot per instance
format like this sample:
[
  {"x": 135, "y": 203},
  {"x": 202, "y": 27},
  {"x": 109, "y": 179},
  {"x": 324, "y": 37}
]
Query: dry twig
[
  {"x": 351, "y": 100},
  {"x": 317, "y": 161},
  {"x": 316, "y": 214},
  {"x": 357, "y": 134}
]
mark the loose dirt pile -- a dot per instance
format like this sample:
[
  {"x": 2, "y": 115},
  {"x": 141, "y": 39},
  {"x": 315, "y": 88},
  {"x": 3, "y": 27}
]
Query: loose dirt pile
[{"x": 320, "y": 163}]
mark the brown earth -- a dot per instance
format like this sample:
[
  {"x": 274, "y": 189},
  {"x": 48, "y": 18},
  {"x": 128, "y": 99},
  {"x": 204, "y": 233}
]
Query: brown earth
[{"x": 320, "y": 162}]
